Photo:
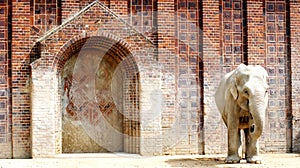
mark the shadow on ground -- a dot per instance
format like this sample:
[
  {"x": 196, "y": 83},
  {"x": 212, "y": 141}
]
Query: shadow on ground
[
  {"x": 268, "y": 161},
  {"x": 196, "y": 162}
]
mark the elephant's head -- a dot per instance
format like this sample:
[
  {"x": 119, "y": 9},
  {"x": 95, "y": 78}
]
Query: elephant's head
[{"x": 249, "y": 88}]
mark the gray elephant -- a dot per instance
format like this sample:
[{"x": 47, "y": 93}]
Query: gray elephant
[{"x": 242, "y": 99}]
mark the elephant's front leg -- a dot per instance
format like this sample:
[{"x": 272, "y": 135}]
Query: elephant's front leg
[
  {"x": 251, "y": 149},
  {"x": 234, "y": 142}
]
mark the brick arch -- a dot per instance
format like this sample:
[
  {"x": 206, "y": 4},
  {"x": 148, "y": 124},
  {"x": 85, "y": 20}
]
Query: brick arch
[
  {"x": 100, "y": 40},
  {"x": 117, "y": 56}
]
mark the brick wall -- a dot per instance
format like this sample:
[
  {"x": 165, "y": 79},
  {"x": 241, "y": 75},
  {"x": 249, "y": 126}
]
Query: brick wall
[
  {"x": 267, "y": 44},
  {"x": 21, "y": 45},
  {"x": 5, "y": 80},
  {"x": 295, "y": 48},
  {"x": 168, "y": 90},
  {"x": 142, "y": 51},
  {"x": 214, "y": 129},
  {"x": 167, "y": 58},
  {"x": 256, "y": 30},
  {"x": 43, "y": 125},
  {"x": 277, "y": 65}
]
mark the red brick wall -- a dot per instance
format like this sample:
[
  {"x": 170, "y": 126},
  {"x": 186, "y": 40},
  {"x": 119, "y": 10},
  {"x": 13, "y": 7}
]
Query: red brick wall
[
  {"x": 233, "y": 31},
  {"x": 254, "y": 38},
  {"x": 187, "y": 36},
  {"x": 21, "y": 45},
  {"x": 5, "y": 80},
  {"x": 295, "y": 73},
  {"x": 277, "y": 64},
  {"x": 167, "y": 58},
  {"x": 256, "y": 30},
  {"x": 55, "y": 53},
  {"x": 166, "y": 52},
  {"x": 214, "y": 129}
]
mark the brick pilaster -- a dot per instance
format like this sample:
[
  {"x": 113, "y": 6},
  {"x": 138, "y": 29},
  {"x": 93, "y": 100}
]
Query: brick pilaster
[
  {"x": 5, "y": 80},
  {"x": 20, "y": 79},
  {"x": 295, "y": 72},
  {"x": 276, "y": 135},
  {"x": 256, "y": 30},
  {"x": 214, "y": 129},
  {"x": 167, "y": 58}
]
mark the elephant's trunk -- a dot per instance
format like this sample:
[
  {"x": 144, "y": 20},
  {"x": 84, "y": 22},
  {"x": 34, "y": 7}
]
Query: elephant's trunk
[{"x": 257, "y": 109}]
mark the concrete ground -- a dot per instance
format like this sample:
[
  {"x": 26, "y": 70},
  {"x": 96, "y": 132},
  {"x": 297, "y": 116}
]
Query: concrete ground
[{"x": 126, "y": 160}]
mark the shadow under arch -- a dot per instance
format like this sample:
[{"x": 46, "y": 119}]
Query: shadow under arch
[{"x": 99, "y": 81}]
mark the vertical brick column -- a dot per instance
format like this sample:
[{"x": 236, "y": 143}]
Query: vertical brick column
[
  {"x": 20, "y": 79},
  {"x": 167, "y": 58},
  {"x": 151, "y": 104},
  {"x": 233, "y": 34},
  {"x": 256, "y": 30},
  {"x": 187, "y": 45},
  {"x": 214, "y": 129},
  {"x": 295, "y": 59},
  {"x": 277, "y": 61},
  {"x": 44, "y": 92},
  {"x": 5, "y": 78}
]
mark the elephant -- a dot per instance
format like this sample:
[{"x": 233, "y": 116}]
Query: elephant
[{"x": 242, "y": 100}]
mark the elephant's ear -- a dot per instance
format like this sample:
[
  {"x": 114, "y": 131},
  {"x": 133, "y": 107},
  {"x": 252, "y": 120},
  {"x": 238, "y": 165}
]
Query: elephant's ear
[
  {"x": 233, "y": 81},
  {"x": 233, "y": 89}
]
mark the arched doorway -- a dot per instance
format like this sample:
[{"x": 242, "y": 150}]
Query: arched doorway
[{"x": 99, "y": 83}]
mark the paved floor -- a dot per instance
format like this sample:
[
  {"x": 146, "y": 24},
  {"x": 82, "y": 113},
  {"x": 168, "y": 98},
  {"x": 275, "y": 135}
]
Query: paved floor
[{"x": 125, "y": 160}]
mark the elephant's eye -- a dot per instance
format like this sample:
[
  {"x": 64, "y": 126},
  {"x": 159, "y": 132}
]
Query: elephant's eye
[
  {"x": 246, "y": 93},
  {"x": 266, "y": 92}
]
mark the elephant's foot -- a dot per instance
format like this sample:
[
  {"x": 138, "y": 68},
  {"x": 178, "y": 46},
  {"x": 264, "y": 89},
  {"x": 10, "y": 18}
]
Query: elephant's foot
[
  {"x": 232, "y": 159},
  {"x": 254, "y": 159}
]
